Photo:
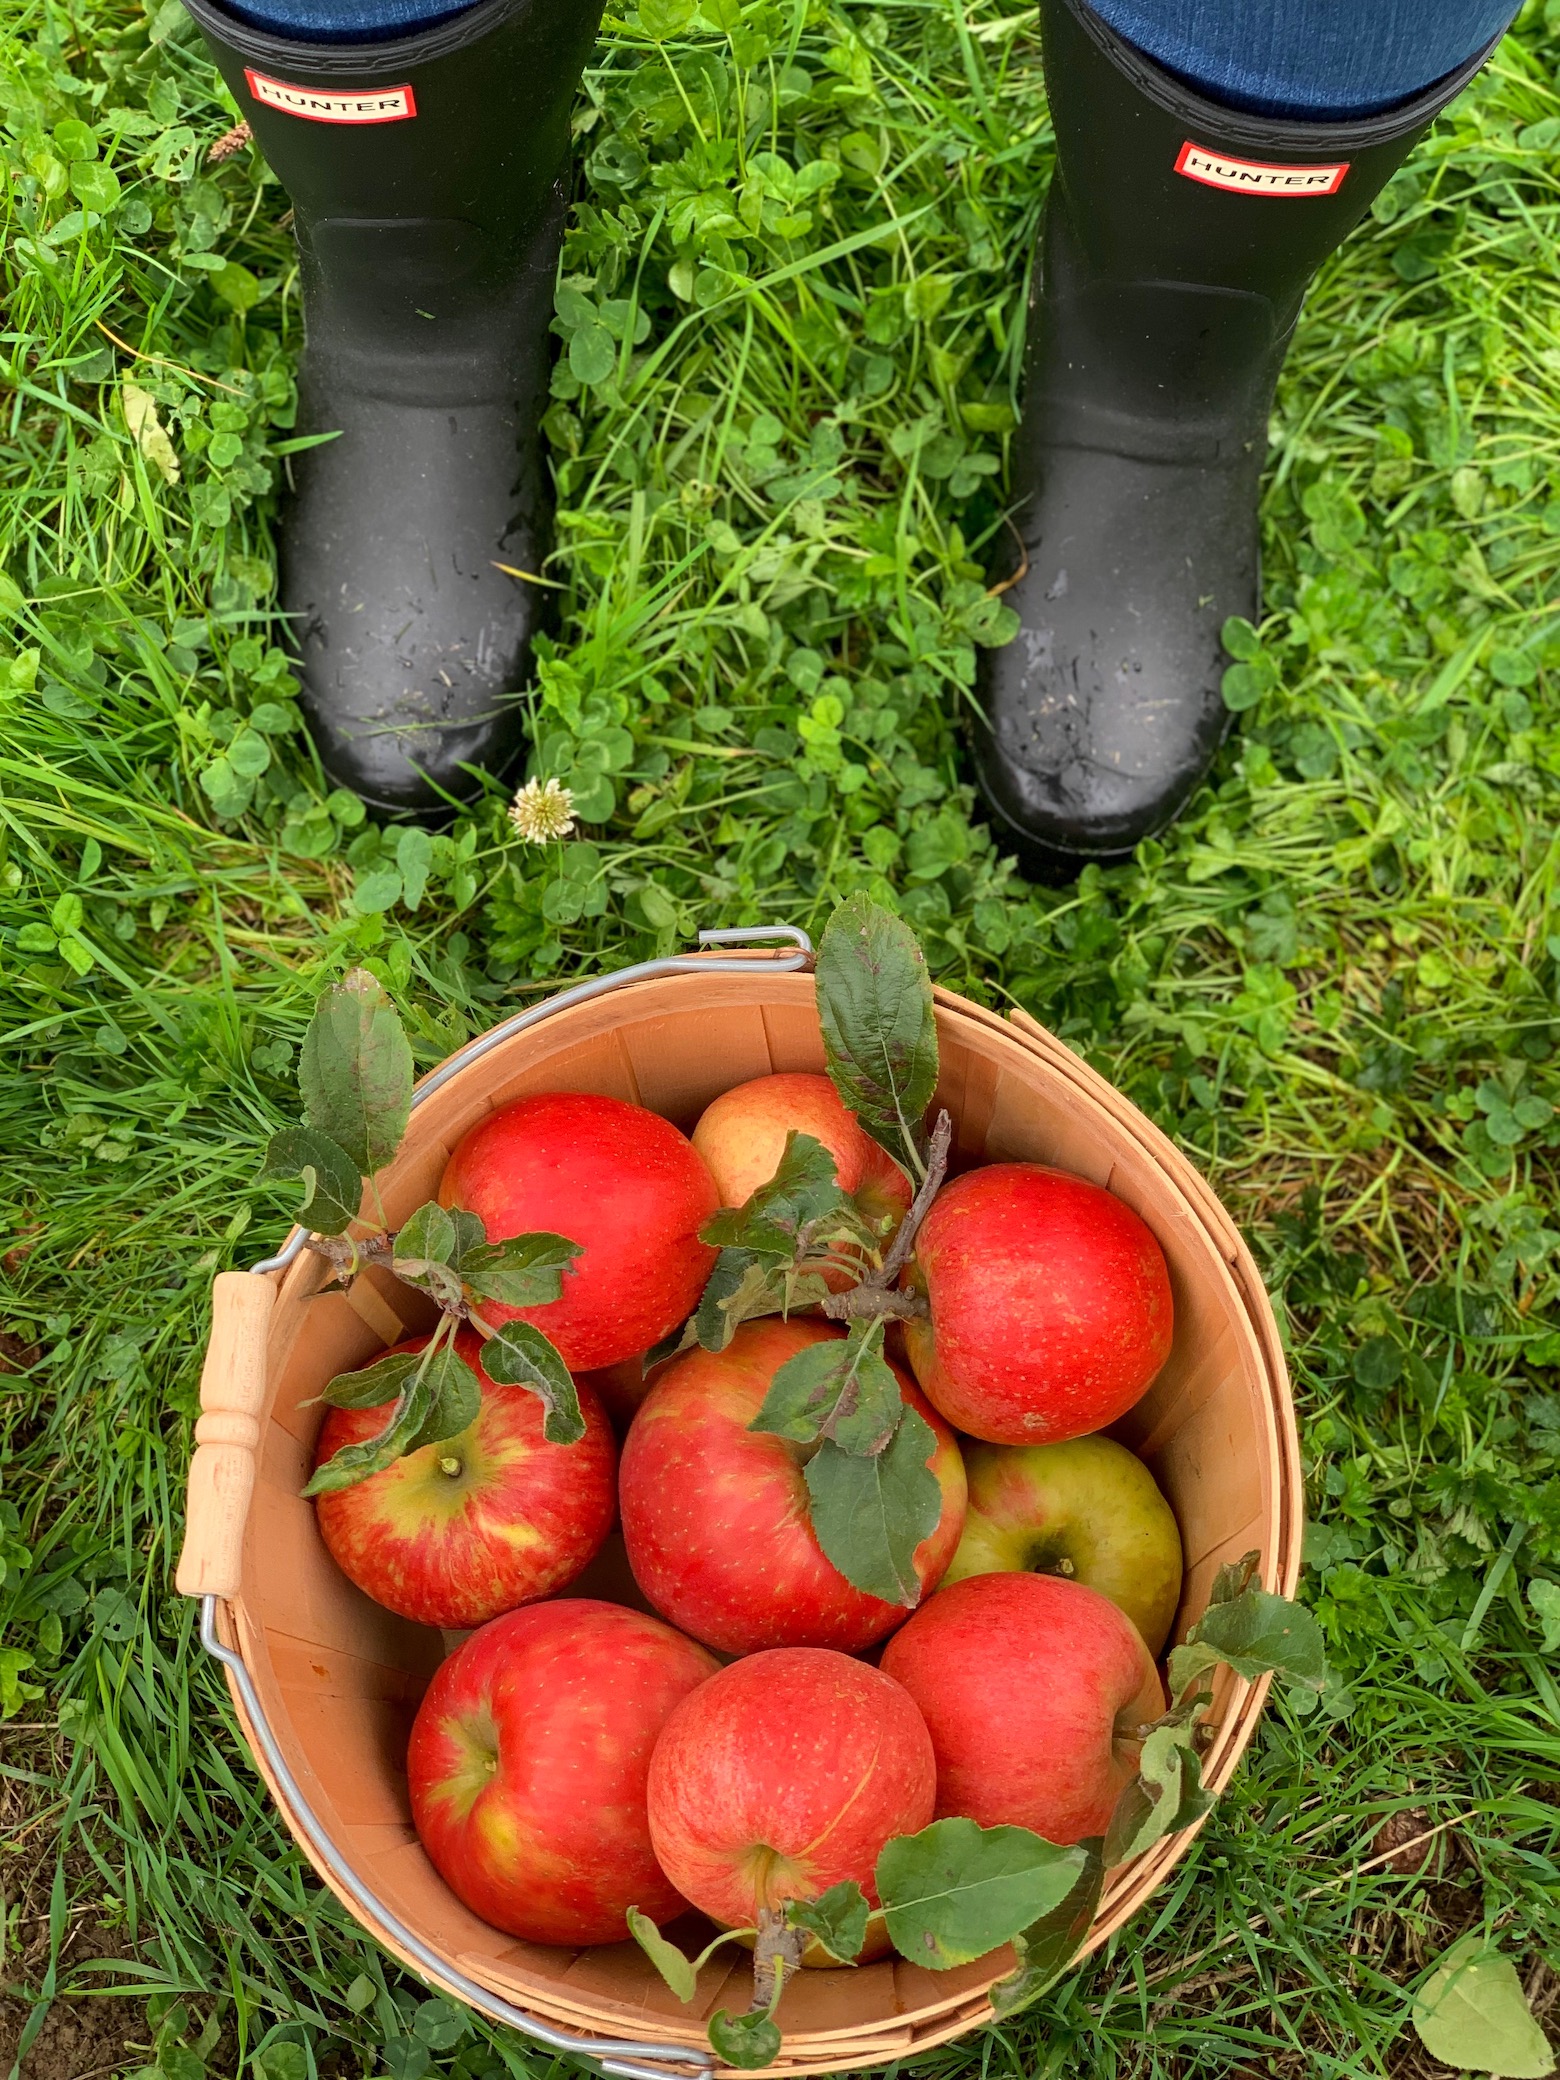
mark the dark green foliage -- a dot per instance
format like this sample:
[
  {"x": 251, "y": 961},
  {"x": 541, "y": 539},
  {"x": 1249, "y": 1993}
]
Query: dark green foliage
[
  {"x": 879, "y": 1031},
  {"x": 869, "y": 1513},
  {"x": 837, "y": 1918},
  {"x": 955, "y": 1891},
  {"x": 519, "y": 1356}
]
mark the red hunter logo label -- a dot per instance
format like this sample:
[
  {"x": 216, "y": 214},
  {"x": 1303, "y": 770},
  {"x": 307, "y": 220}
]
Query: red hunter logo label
[
  {"x": 1254, "y": 176},
  {"x": 330, "y": 105}
]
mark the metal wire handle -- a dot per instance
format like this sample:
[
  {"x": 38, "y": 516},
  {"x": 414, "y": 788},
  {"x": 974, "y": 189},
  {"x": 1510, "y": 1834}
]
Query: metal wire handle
[{"x": 623, "y": 2057}]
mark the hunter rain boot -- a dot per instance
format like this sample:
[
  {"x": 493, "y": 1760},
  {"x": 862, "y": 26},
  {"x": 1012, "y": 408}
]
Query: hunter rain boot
[
  {"x": 1178, "y": 239},
  {"x": 428, "y": 177}
]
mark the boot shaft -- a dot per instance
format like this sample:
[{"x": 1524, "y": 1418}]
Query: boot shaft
[
  {"x": 1178, "y": 240},
  {"x": 1160, "y": 184},
  {"x": 467, "y": 120}
]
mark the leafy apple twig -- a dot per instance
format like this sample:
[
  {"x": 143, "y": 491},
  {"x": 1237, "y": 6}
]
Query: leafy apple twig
[
  {"x": 957, "y": 1891},
  {"x": 872, "y": 1495},
  {"x": 355, "y": 1078}
]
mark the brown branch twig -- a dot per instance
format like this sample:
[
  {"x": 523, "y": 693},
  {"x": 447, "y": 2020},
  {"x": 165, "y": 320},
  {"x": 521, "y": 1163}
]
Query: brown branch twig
[
  {"x": 778, "y": 1948},
  {"x": 877, "y": 1297}
]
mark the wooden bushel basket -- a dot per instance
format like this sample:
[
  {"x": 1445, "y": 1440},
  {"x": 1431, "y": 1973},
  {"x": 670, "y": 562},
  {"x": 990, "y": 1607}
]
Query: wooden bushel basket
[{"x": 326, "y": 1683}]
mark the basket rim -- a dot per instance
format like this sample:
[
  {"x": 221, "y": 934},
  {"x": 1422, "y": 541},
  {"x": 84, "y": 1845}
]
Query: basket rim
[{"x": 912, "y": 2031}]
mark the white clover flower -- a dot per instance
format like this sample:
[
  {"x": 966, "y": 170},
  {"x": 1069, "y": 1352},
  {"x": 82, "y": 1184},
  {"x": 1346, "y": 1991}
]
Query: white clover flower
[{"x": 541, "y": 811}]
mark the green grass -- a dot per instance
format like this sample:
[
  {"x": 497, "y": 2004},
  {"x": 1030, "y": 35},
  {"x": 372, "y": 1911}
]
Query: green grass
[{"x": 795, "y": 295}]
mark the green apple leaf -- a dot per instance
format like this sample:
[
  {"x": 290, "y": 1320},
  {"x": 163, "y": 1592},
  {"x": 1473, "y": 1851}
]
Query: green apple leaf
[
  {"x": 671, "y": 1345},
  {"x": 457, "y": 1398},
  {"x": 742, "y": 1287},
  {"x": 870, "y": 1514},
  {"x": 355, "y": 1071},
  {"x": 1254, "y": 1631},
  {"x": 1165, "y": 1795},
  {"x": 429, "y": 1233},
  {"x": 470, "y": 1233},
  {"x": 1046, "y": 1949},
  {"x": 524, "y": 1271},
  {"x": 519, "y": 1355},
  {"x": 374, "y": 1384},
  {"x": 679, "y": 1971},
  {"x": 879, "y": 1026},
  {"x": 669, "y": 1961},
  {"x": 440, "y": 1398},
  {"x": 332, "y": 1185},
  {"x": 956, "y": 1890},
  {"x": 1471, "y": 2012},
  {"x": 842, "y": 1389},
  {"x": 739, "y": 1281},
  {"x": 425, "y": 1248},
  {"x": 803, "y": 1191},
  {"x": 836, "y": 1918},
  {"x": 749, "y": 2041}
]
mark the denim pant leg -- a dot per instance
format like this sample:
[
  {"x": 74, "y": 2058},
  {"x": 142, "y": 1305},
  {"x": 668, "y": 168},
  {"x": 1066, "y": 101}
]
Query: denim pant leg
[{"x": 1327, "y": 59}]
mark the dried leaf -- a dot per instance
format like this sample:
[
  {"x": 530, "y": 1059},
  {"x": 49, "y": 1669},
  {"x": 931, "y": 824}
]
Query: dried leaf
[
  {"x": 148, "y": 431},
  {"x": 1471, "y": 2012}
]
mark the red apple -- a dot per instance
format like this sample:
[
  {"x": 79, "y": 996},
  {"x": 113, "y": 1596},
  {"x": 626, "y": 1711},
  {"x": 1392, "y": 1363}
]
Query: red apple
[
  {"x": 742, "y": 1136},
  {"x": 620, "y": 1181},
  {"x": 1050, "y": 1305},
  {"x": 715, "y": 1516},
  {"x": 784, "y": 1775},
  {"x": 458, "y": 1531},
  {"x": 1033, "y": 1689},
  {"x": 528, "y": 1763}
]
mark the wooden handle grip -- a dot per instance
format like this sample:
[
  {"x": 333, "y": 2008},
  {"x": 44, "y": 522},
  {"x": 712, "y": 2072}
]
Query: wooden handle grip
[{"x": 222, "y": 1472}]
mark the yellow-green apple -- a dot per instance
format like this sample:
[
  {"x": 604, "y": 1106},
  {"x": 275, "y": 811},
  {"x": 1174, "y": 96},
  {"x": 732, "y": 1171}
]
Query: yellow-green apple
[
  {"x": 784, "y": 1775},
  {"x": 621, "y": 1182},
  {"x": 716, "y": 1516},
  {"x": 1087, "y": 1510},
  {"x": 1049, "y": 1305},
  {"x": 742, "y": 1136},
  {"x": 1034, "y": 1691},
  {"x": 528, "y": 1765},
  {"x": 456, "y": 1532}
]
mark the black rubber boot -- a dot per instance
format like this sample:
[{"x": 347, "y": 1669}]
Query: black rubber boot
[
  {"x": 427, "y": 180},
  {"x": 1178, "y": 240}
]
